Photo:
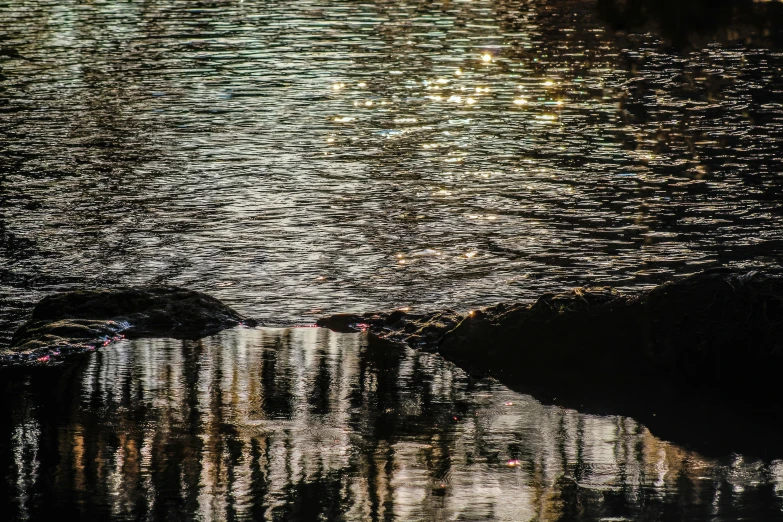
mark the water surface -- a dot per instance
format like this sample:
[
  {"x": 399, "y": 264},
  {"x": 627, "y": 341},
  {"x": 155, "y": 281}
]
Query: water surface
[
  {"x": 305, "y": 424},
  {"x": 308, "y": 157}
]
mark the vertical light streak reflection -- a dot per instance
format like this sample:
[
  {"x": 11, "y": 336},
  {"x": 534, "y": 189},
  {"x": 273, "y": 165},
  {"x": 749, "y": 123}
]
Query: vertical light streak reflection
[
  {"x": 25, "y": 440},
  {"x": 273, "y": 424}
]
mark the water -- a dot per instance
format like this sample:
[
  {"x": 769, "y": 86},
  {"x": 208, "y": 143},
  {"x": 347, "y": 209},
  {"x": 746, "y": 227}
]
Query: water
[
  {"x": 297, "y": 159},
  {"x": 297, "y": 424},
  {"x": 302, "y": 158}
]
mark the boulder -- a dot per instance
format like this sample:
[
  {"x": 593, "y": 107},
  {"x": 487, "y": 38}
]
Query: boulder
[
  {"x": 74, "y": 322},
  {"x": 714, "y": 336}
]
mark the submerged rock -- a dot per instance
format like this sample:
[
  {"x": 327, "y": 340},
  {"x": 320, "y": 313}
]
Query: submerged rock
[{"x": 74, "y": 322}]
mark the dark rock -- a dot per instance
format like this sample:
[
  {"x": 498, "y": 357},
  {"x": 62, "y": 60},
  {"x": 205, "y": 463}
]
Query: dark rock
[
  {"x": 418, "y": 330},
  {"x": 697, "y": 359},
  {"x": 703, "y": 329},
  {"x": 343, "y": 323},
  {"x": 711, "y": 329},
  {"x": 79, "y": 321}
]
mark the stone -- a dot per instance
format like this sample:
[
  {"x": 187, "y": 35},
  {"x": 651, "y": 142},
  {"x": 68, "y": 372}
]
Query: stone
[
  {"x": 712, "y": 330},
  {"x": 697, "y": 360},
  {"x": 75, "y": 322}
]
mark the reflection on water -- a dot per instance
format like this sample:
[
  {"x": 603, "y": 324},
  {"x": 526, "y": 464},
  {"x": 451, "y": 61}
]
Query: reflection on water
[
  {"x": 300, "y": 158},
  {"x": 306, "y": 424}
]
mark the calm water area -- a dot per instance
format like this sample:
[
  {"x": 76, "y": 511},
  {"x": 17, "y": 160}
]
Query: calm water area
[
  {"x": 305, "y": 424},
  {"x": 300, "y": 158}
]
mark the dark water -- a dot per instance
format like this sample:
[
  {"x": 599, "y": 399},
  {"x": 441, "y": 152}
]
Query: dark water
[
  {"x": 305, "y": 424},
  {"x": 300, "y": 158}
]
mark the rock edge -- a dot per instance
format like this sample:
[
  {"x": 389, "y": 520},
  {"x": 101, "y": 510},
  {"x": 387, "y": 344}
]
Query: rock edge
[{"x": 715, "y": 330}]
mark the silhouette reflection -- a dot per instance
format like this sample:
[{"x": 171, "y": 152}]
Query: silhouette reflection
[{"x": 305, "y": 424}]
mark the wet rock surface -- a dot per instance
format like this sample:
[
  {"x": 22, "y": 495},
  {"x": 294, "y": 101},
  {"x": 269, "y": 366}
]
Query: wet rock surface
[
  {"x": 685, "y": 357},
  {"x": 422, "y": 331},
  {"x": 75, "y": 322},
  {"x": 704, "y": 328}
]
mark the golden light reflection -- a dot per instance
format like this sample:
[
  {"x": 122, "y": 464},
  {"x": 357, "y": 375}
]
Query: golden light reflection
[
  {"x": 520, "y": 101},
  {"x": 486, "y": 57}
]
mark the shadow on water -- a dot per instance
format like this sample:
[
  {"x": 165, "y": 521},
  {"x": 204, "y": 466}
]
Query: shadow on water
[
  {"x": 306, "y": 424},
  {"x": 684, "y": 23}
]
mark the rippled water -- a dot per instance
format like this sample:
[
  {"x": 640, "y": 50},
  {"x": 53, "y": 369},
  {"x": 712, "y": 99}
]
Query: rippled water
[
  {"x": 297, "y": 424},
  {"x": 300, "y": 158},
  {"x": 313, "y": 156}
]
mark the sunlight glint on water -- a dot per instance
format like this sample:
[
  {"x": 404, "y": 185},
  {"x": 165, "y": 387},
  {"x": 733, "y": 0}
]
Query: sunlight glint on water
[{"x": 281, "y": 155}]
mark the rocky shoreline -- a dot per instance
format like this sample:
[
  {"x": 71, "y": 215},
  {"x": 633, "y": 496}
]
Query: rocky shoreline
[
  {"x": 697, "y": 360},
  {"x": 716, "y": 327}
]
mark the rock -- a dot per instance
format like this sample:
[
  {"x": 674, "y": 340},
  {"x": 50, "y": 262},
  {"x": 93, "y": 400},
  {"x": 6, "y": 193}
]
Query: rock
[
  {"x": 74, "y": 322},
  {"x": 342, "y": 323},
  {"x": 697, "y": 360},
  {"x": 712, "y": 330},
  {"x": 418, "y": 330}
]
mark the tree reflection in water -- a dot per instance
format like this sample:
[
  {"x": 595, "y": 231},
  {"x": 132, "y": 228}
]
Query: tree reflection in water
[{"x": 305, "y": 424}]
